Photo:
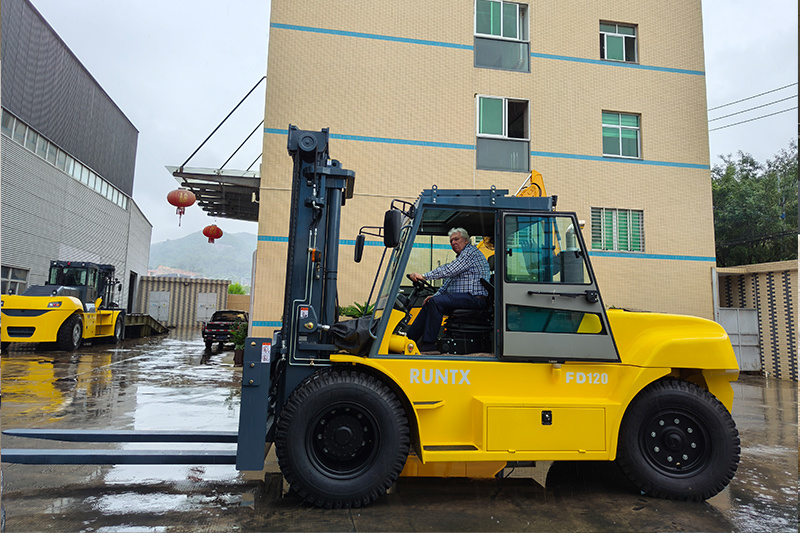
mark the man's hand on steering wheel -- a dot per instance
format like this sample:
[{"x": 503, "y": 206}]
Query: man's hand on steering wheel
[{"x": 420, "y": 282}]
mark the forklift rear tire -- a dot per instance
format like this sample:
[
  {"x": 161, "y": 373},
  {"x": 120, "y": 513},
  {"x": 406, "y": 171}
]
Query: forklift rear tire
[
  {"x": 70, "y": 334},
  {"x": 678, "y": 442},
  {"x": 342, "y": 439}
]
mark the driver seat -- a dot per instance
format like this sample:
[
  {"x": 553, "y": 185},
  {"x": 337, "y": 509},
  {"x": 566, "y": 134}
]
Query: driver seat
[{"x": 470, "y": 330}]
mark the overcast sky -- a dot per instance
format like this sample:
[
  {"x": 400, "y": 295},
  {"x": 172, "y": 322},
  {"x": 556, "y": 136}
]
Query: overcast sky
[{"x": 177, "y": 67}]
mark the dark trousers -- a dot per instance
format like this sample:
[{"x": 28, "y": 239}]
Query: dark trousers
[{"x": 425, "y": 329}]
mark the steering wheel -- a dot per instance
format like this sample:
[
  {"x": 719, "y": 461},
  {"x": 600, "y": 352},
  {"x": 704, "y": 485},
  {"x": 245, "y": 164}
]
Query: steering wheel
[{"x": 421, "y": 284}]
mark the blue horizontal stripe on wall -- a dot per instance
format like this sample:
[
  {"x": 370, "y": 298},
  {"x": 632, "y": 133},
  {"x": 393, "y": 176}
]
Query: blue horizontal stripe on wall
[
  {"x": 266, "y": 324},
  {"x": 635, "y": 255},
  {"x": 352, "y": 242},
  {"x": 370, "y": 36},
  {"x": 442, "y": 44},
  {"x": 385, "y": 140},
  {"x": 606, "y": 159},
  {"x": 618, "y": 64},
  {"x": 433, "y": 144},
  {"x": 596, "y": 253}
]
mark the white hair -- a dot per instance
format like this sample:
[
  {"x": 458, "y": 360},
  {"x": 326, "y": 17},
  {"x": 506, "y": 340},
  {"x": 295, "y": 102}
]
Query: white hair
[{"x": 462, "y": 231}]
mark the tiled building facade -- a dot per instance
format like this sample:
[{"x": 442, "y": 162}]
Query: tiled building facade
[{"x": 606, "y": 99}]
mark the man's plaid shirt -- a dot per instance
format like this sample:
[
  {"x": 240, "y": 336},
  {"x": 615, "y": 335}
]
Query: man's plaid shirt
[{"x": 464, "y": 274}]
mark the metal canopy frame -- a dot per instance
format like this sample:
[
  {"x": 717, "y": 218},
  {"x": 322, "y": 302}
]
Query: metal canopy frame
[{"x": 222, "y": 193}]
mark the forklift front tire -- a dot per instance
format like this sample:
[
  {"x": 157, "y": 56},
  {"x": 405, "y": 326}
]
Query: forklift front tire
[
  {"x": 70, "y": 334},
  {"x": 342, "y": 439},
  {"x": 678, "y": 442}
]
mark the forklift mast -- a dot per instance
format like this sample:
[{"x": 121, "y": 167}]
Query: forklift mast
[
  {"x": 320, "y": 187},
  {"x": 273, "y": 367}
]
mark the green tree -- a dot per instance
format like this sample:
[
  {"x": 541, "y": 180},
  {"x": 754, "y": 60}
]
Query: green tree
[
  {"x": 236, "y": 288},
  {"x": 755, "y": 208}
]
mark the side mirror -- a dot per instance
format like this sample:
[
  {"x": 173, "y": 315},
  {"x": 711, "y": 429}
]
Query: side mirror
[
  {"x": 392, "y": 224},
  {"x": 359, "y": 251}
]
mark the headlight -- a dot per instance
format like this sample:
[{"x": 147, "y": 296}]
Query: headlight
[{"x": 54, "y": 304}]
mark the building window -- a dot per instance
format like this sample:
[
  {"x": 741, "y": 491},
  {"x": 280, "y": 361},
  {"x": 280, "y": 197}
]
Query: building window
[
  {"x": 14, "y": 280},
  {"x": 41, "y": 147},
  {"x": 621, "y": 134},
  {"x": 19, "y": 132},
  {"x": 503, "y": 134},
  {"x": 61, "y": 160},
  {"x": 618, "y": 42},
  {"x": 8, "y": 123},
  {"x": 501, "y": 36},
  {"x": 617, "y": 229},
  {"x": 52, "y": 152},
  {"x": 48, "y": 151},
  {"x": 30, "y": 140}
]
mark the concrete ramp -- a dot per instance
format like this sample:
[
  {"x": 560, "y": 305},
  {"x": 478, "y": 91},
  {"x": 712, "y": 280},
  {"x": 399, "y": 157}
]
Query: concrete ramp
[{"x": 142, "y": 325}]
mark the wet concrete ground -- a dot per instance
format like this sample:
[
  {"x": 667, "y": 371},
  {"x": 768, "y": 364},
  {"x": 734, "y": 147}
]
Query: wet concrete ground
[{"x": 173, "y": 383}]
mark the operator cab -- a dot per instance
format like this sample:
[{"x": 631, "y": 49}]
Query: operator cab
[
  {"x": 84, "y": 280},
  {"x": 542, "y": 282}
]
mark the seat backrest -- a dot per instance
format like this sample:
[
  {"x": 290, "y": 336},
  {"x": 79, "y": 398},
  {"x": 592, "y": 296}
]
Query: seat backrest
[{"x": 488, "y": 284}]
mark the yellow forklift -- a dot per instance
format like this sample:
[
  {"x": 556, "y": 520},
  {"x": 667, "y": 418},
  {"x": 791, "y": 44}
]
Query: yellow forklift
[
  {"x": 76, "y": 303},
  {"x": 549, "y": 374}
]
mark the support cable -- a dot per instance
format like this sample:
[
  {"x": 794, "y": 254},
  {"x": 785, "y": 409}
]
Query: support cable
[
  {"x": 240, "y": 146},
  {"x": 254, "y": 162},
  {"x": 223, "y": 121}
]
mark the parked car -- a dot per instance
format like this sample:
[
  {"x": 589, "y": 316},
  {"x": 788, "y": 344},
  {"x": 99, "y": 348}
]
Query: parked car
[{"x": 218, "y": 329}]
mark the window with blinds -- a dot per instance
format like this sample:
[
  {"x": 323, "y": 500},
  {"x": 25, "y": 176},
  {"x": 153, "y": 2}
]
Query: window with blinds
[{"x": 617, "y": 229}]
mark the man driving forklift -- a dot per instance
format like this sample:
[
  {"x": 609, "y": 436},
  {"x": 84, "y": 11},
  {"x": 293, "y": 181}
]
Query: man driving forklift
[{"x": 462, "y": 289}]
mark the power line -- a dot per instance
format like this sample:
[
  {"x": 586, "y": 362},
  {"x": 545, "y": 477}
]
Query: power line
[
  {"x": 752, "y": 108},
  {"x": 752, "y": 119},
  {"x": 736, "y": 242},
  {"x": 754, "y": 96}
]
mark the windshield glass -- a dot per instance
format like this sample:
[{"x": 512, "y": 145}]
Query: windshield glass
[
  {"x": 392, "y": 271},
  {"x": 431, "y": 247},
  {"x": 71, "y": 276}
]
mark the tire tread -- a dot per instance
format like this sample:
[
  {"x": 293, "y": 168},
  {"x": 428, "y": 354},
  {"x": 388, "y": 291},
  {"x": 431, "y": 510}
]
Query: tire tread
[
  {"x": 627, "y": 462},
  {"x": 321, "y": 380}
]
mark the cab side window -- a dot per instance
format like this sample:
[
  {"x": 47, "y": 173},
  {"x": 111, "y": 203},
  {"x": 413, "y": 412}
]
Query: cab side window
[{"x": 543, "y": 249}]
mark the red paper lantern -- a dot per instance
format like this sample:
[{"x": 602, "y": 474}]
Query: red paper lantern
[
  {"x": 212, "y": 232},
  {"x": 181, "y": 198}
]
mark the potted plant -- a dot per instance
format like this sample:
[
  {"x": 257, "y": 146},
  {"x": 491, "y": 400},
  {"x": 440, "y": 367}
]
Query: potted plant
[
  {"x": 238, "y": 336},
  {"x": 356, "y": 310}
]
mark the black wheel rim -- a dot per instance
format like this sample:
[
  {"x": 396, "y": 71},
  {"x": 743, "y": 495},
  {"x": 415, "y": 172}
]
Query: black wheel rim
[
  {"x": 675, "y": 443},
  {"x": 343, "y": 440}
]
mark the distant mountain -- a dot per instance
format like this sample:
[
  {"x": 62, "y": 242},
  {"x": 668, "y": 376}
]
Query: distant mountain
[{"x": 229, "y": 257}]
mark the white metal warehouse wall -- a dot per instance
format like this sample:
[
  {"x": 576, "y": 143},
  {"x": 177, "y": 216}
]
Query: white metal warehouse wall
[{"x": 49, "y": 215}]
